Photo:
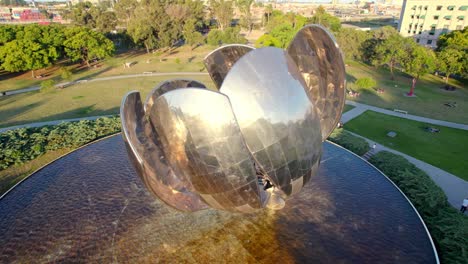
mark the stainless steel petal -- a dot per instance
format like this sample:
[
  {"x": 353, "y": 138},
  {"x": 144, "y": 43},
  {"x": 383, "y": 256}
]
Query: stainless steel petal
[
  {"x": 320, "y": 61},
  {"x": 278, "y": 121},
  {"x": 149, "y": 160},
  {"x": 200, "y": 136},
  {"x": 220, "y": 61},
  {"x": 170, "y": 85}
]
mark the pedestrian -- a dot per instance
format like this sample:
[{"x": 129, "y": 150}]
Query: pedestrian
[
  {"x": 464, "y": 205},
  {"x": 374, "y": 146}
]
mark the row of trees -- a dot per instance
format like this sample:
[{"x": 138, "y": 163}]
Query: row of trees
[
  {"x": 283, "y": 27},
  {"x": 33, "y": 47},
  {"x": 385, "y": 47},
  {"x": 160, "y": 24}
]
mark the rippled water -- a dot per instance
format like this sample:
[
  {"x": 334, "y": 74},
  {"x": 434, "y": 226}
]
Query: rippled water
[{"x": 91, "y": 207}]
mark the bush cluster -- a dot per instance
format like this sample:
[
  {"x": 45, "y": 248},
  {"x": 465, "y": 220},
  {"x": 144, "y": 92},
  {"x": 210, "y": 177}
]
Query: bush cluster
[
  {"x": 25, "y": 144},
  {"x": 449, "y": 228},
  {"x": 228, "y": 36},
  {"x": 347, "y": 140}
]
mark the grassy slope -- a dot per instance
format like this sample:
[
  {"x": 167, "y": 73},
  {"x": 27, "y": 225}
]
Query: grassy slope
[
  {"x": 447, "y": 149},
  {"x": 429, "y": 101},
  {"x": 86, "y": 99}
]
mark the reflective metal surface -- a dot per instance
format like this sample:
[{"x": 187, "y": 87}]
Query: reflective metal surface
[
  {"x": 201, "y": 137},
  {"x": 251, "y": 145},
  {"x": 220, "y": 61},
  {"x": 278, "y": 121},
  {"x": 149, "y": 160},
  {"x": 320, "y": 61}
]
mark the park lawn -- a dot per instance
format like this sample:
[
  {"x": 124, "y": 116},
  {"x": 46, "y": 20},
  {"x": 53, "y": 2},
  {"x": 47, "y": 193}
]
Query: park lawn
[
  {"x": 429, "y": 100},
  {"x": 347, "y": 108},
  {"x": 80, "y": 100},
  {"x": 180, "y": 59},
  {"x": 447, "y": 150}
]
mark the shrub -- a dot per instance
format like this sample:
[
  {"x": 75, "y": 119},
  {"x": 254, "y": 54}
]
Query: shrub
[
  {"x": 448, "y": 227},
  {"x": 228, "y": 36},
  {"x": 215, "y": 37},
  {"x": 349, "y": 141},
  {"x": 66, "y": 74},
  {"x": 366, "y": 83},
  {"x": 177, "y": 60},
  {"x": 47, "y": 85},
  {"x": 25, "y": 144}
]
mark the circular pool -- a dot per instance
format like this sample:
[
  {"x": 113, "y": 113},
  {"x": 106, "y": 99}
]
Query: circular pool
[{"x": 90, "y": 206}]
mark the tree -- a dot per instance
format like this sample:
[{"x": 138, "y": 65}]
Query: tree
[
  {"x": 323, "y": 18},
  {"x": 453, "y": 52},
  {"x": 85, "y": 44},
  {"x": 229, "y": 36},
  {"x": 284, "y": 34},
  {"x": 124, "y": 10},
  {"x": 106, "y": 22},
  {"x": 34, "y": 47},
  {"x": 266, "y": 40},
  {"x": 351, "y": 42},
  {"x": 452, "y": 60},
  {"x": 82, "y": 14},
  {"x": 389, "y": 52},
  {"x": 191, "y": 35},
  {"x": 244, "y": 7},
  {"x": 416, "y": 61},
  {"x": 223, "y": 11}
]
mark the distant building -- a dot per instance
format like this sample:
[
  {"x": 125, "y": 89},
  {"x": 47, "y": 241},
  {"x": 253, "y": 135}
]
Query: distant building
[{"x": 426, "y": 20}]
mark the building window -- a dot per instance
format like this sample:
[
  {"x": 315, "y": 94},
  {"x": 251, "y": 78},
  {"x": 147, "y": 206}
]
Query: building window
[
  {"x": 436, "y": 17},
  {"x": 420, "y": 32},
  {"x": 459, "y": 27},
  {"x": 413, "y": 8},
  {"x": 412, "y": 16},
  {"x": 461, "y": 17},
  {"x": 409, "y": 31},
  {"x": 447, "y": 17},
  {"x": 433, "y": 28},
  {"x": 425, "y": 8},
  {"x": 450, "y": 8},
  {"x": 463, "y": 8},
  {"x": 438, "y": 7},
  {"x": 429, "y": 41},
  {"x": 410, "y": 25},
  {"x": 417, "y": 40},
  {"x": 414, "y": 32}
]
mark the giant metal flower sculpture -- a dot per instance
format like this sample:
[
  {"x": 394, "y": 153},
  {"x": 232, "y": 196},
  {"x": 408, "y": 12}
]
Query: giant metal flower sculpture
[{"x": 195, "y": 148}]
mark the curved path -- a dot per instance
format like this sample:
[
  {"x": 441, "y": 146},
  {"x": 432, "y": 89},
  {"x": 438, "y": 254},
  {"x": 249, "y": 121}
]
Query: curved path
[
  {"x": 361, "y": 108},
  {"x": 455, "y": 189},
  {"x": 126, "y": 76}
]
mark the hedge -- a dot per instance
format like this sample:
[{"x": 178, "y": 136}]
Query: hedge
[
  {"x": 349, "y": 141},
  {"x": 448, "y": 227},
  {"x": 24, "y": 144}
]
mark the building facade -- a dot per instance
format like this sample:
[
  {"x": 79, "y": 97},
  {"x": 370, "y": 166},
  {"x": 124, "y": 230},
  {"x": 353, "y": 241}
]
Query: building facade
[{"x": 426, "y": 20}]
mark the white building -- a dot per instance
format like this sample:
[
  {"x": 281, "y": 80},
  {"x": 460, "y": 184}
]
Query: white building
[{"x": 426, "y": 20}]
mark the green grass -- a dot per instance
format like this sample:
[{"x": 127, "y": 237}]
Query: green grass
[
  {"x": 447, "y": 149},
  {"x": 430, "y": 98},
  {"x": 163, "y": 61},
  {"x": 80, "y": 100},
  {"x": 347, "y": 108}
]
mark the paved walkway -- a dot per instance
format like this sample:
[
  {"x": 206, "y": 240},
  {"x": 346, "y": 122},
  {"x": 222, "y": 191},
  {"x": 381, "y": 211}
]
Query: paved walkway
[
  {"x": 51, "y": 123},
  {"x": 146, "y": 74},
  {"x": 361, "y": 108},
  {"x": 455, "y": 188}
]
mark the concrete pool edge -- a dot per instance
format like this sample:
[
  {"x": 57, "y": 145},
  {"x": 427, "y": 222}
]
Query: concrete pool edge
[
  {"x": 52, "y": 161},
  {"x": 404, "y": 195}
]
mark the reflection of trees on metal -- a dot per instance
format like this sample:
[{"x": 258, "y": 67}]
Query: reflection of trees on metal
[{"x": 195, "y": 148}]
